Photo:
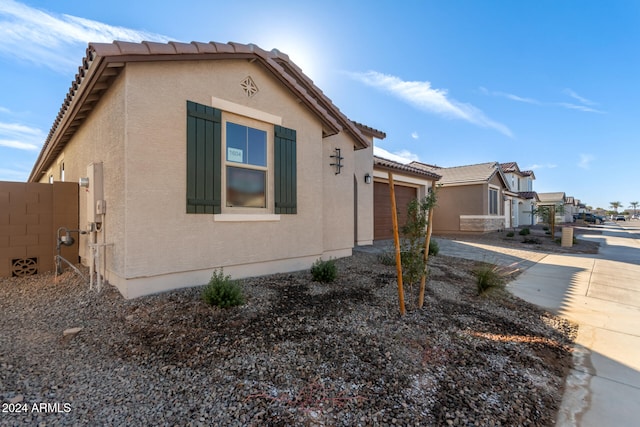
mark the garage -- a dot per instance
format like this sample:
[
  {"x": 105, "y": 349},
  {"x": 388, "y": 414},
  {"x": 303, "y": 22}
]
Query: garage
[{"x": 382, "y": 222}]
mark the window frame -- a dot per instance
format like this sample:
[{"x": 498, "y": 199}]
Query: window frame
[
  {"x": 228, "y": 117},
  {"x": 496, "y": 191}
]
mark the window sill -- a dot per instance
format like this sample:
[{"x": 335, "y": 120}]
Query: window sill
[{"x": 245, "y": 217}]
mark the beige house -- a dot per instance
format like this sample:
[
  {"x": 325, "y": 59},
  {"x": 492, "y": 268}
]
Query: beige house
[
  {"x": 521, "y": 201},
  {"x": 558, "y": 199},
  {"x": 193, "y": 157},
  {"x": 470, "y": 198}
]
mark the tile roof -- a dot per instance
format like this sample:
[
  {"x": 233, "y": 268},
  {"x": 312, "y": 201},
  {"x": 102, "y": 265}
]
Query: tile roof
[
  {"x": 528, "y": 195},
  {"x": 512, "y": 167},
  {"x": 468, "y": 174},
  {"x": 551, "y": 197},
  {"x": 382, "y": 163},
  {"x": 104, "y": 62},
  {"x": 509, "y": 167}
]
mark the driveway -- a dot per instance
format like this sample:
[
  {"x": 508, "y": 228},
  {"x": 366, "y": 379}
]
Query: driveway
[{"x": 602, "y": 294}]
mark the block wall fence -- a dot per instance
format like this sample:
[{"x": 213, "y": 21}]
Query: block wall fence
[{"x": 30, "y": 215}]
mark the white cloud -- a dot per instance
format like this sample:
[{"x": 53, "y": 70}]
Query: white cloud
[
  {"x": 585, "y": 161},
  {"x": 415, "y": 135},
  {"x": 579, "y": 107},
  {"x": 584, "y": 106},
  {"x": 509, "y": 96},
  {"x": 55, "y": 41},
  {"x": 21, "y": 137},
  {"x": 536, "y": 166},
  {"x": 19, "y": 145},
  {"x": 403, "y": 156},
  {"x": 436, "y": 101},
  {"x": 578, "y": 97}
]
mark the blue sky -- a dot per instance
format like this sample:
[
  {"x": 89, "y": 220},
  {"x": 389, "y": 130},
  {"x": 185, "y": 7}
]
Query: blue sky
[{"x": 551, "y": 85}]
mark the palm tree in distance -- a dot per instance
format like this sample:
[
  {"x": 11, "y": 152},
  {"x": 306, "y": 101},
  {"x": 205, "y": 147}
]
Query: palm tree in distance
[
  {"x": 615, "y": 205},
  {"x": 634, "y": 205}
]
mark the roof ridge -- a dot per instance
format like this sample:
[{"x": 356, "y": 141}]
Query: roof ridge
[{"x": 100, "y": 55}]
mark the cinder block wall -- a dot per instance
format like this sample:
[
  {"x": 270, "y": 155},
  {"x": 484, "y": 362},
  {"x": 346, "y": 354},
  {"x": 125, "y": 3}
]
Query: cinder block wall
[{"x": 30, "y": 215}]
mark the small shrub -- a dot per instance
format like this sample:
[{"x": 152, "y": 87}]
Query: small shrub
[
  {"x": 524, "y": 232},
  {"x": 531, "y": 241},
  {"x": 545, "y": 228},
  {"x": 324, "y": 271},
  {"x": 434, "y": 249},
  {"x": 510, "y": 234},
  {"x": 223, "y": 292},
  {"x": 387, "y": 258},
  {"x": 488, "y": 276}
]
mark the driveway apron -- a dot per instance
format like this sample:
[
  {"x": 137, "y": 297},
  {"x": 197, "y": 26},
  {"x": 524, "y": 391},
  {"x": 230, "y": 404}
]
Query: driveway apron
[{"x": 601, "y": 293}]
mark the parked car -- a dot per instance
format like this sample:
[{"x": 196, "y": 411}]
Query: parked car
[
  {"x": 588, "y": 217},
  {"x": 620, "y": 218}
]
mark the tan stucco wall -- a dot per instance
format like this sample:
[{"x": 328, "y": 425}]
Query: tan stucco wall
[
  {"x": 101, "y": 139},
  {"x": 364, "y": 196},
  {"x": 155, "y": 244},
  {"x": 465, "y": 208},
  {"x": 455, "y": 201}
]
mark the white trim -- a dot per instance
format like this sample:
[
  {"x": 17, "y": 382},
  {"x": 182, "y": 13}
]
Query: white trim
[
  {"x": 243, "y": 110},
  {"x": 245, "y": 217}
]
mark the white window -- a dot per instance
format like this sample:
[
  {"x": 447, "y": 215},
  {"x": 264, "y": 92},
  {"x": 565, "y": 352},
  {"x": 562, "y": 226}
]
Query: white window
[
  {"x": 246, "y": 176},
  {"x": 493, "y": 201}
]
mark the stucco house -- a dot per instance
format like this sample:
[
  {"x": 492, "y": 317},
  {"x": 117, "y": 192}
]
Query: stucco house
[
  {"x": 198, "y": 156},
  {"x": 521, "y": 200},
  {"x": 558, "y": 200},
  {"x": 470, "y": 198},
  {"x": 409, "y": 183}
]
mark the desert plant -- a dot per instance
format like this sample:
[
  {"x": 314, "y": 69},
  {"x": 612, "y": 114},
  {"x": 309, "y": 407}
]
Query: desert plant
[
  {"x": 531, "y": 241},
  {"x": 488, "y": 276},
  {"x": 434, "y": 249},
  {"x": 324, "y": 271},
  {"x": 221, "y": 291},
  {"x": 387, "y": 258},
  {"x": 524, "y": 232},
  {"x": 510, "y": 234}
]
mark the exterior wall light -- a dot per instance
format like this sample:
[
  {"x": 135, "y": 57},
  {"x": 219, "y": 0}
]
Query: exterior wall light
[{"x": 367, "y": 178}]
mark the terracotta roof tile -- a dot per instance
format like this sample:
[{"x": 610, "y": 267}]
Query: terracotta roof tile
[
  {"x": 509, "y": 167},
  {"x": 390, "y": 164},
  {"x": 99, "y": 55}
]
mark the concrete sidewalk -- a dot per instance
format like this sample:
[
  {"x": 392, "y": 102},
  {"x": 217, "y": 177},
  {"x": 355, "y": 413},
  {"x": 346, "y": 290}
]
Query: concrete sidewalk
[{"x": 602, "y": 294}]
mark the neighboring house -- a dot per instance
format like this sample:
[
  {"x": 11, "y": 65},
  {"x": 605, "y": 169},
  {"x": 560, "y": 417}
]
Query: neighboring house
[
  {"x": 521, "y": 200},
  {"x": 572, "y": 207},
  {"x": 409, "y": 183},
  {"x": 199, "y": 156},
  {"x": 469, "y": 198},
  {"x": 558, "y": 200}
]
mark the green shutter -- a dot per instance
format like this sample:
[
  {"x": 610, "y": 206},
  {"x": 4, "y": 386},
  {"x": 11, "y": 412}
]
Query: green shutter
[
  {"x": 285, "y": 171},
  {"x": 204, "y": 161}
]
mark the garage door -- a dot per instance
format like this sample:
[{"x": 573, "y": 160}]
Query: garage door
[{"x": 382, "y": 223}]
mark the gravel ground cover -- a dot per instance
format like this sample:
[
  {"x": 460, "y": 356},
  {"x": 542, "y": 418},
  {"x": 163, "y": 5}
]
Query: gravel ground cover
[{"x": 297, "y": 353}]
